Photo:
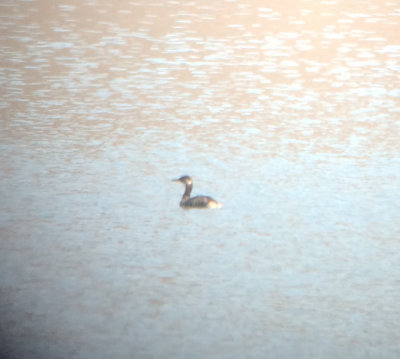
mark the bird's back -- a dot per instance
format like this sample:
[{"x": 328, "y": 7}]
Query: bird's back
[{"x": 200, "y": 202}]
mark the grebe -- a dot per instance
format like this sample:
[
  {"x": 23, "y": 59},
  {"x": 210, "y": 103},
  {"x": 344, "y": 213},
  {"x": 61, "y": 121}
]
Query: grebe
[{"x": 195, "y": 202}]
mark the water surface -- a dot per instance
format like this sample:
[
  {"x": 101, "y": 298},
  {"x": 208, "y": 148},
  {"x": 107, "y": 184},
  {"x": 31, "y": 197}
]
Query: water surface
[{"x": 286, "y": 113}]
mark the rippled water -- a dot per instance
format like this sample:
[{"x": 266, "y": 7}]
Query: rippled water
[{"x": 287, "y": 113}]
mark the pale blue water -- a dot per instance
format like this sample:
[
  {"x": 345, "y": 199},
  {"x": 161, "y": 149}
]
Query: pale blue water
[{"x": 288, "y": 115}]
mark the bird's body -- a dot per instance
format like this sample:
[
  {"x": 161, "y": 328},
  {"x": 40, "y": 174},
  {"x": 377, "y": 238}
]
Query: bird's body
[{"x": 197, "y": 201}]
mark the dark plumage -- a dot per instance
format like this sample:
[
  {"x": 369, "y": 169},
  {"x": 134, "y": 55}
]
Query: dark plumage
[{"x": 197, "y": 201}]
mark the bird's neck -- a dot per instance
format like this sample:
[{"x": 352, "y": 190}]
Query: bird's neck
[{"x": 188, "y": 190}]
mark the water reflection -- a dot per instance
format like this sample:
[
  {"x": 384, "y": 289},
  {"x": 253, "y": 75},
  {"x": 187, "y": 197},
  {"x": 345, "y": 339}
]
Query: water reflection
[{"x": 286, "y": 112}]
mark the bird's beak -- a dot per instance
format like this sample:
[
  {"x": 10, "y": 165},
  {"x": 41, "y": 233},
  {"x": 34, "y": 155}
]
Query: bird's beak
[{"x": 175, "y": 180}]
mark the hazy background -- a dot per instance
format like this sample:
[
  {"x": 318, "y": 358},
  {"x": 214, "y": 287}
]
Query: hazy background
[{"x": 287, "y": 112}]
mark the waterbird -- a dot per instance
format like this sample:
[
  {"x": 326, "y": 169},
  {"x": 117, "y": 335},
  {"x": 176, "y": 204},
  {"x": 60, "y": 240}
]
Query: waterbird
[{"x": 197, "y": 201}]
